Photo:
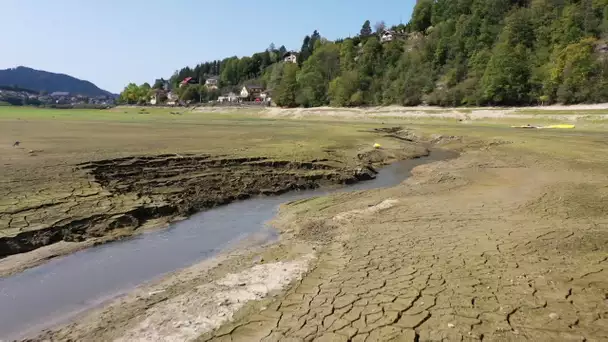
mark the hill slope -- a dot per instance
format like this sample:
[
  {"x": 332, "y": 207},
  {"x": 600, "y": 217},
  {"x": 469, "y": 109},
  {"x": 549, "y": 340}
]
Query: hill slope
[
  {"x": 39, "y": 80},
  {"x": 451, "y": 53}
]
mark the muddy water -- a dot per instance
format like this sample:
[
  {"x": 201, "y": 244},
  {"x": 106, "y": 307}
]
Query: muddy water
[{"x": 56, "y": 291}]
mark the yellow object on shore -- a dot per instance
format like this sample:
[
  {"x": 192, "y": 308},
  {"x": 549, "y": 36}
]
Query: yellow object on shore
[
  {"x": 560, "y": 126},
  {"x": 376, "y": 145}
]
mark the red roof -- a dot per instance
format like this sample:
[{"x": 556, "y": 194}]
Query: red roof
[{"x": 186, "y": 80}]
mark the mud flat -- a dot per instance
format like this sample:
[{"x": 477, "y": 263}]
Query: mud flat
[
  {"x": 506, "y": 242},
  {"x": 63, "y": 287},
  {"x": 90, "y": 180}
]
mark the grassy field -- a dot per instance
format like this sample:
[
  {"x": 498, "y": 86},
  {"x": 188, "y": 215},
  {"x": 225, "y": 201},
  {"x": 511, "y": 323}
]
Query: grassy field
[{"x": 93, "y": 134}]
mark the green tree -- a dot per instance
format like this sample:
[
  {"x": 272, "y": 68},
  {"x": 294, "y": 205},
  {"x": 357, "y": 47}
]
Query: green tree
[
  {"x": 130, "y": 94},
  {"x": 246, "y": 69},
  {"x": 230, "y": 73},
  {"x": 191, "y": 93},
  {"x": 422, "y": 16},
  {"x": 315, "y": 38},
  {"x": 366, "y": 29},
  {"x": 370, "y": 66},
  {"x": 287, "y": 90},
  {"x": 347, "y": 55},
  {"x": 274, "y": 76},
  {"x": 519, "y": 28},
  {"x": 342, "y": 89},
  {"x": 305, "y": 51},
  {"x": 159, "y": 83},
  {"x": 282, "y": 51},
  {"x": 409, "y": 81},
  {"x": 574, "y": 72},
  {"x": 507, "y": 76}
]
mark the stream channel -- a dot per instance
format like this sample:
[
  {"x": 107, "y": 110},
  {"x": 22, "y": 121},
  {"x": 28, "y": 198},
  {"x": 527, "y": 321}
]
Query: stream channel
[{"x": 55, "y": 292}]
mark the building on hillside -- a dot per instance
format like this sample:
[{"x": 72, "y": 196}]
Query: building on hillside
[
  {"x": 251, "y": 92},
  {"x": 212, "y": 83},
  {"x": 230, "y": 97},
  {"x": 188, "y": 80},
  {"x": 158, "y": 97},
  {"x": 387, "y": 36},
  {"x": 172, "y": 98},
  {"x": 290, "y": 57},
  {"x": 266, "y": 96}
]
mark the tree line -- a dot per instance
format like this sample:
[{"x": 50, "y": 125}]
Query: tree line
[{"x": 451, "y": 53}]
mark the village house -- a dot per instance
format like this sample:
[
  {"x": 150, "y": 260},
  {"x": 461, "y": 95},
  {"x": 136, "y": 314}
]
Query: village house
[
  {"x": 290, "y": 57},
  {"x": 387, "y": 36},
  {"x": 172, "y": 98},
  {"x": 266, "y": 96},
  {"x": 251, "y": 92},
  {"x": 230, "y": 97},
  {"x": 188, "y": 80},
  {"x": 212, "y": 83},
  {"x": 158, "y": 96}
]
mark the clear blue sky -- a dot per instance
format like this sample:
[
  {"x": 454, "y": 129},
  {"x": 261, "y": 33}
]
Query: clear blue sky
[{"x": 114, "y": 42}]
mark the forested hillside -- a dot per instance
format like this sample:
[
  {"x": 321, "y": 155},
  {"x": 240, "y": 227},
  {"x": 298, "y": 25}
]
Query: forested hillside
[{"x": 451, "y": 53}]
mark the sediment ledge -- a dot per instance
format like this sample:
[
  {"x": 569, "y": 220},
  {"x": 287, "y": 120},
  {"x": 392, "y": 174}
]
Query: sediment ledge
[{"x": 140, "y": 188}]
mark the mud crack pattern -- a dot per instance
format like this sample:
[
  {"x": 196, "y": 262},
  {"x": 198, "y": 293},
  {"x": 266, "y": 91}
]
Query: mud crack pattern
[{"x": 458, "y": 256}]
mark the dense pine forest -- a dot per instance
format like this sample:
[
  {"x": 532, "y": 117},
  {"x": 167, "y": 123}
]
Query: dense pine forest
[{"x": 451, "y": 53}]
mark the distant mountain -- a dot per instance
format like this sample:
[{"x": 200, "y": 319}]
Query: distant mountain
[{"x": 39, "y": 80}]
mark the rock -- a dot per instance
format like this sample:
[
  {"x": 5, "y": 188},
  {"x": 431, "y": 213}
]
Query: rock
[
  {"x": 450, "y": 325},
  {"x": 553, "y": 315},
  {"x": 224, "y": 302}
]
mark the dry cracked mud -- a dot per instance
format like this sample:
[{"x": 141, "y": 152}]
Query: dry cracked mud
[
  {"x": 486, "y": 247},
  {"x": 505, "y": 243}
]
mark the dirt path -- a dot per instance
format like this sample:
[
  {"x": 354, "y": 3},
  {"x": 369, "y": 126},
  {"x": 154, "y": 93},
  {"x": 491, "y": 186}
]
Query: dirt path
[{"x": 485, "y": 247}]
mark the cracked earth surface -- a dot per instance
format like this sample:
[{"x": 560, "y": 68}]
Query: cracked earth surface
[{"x": 486, "y": 247}]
